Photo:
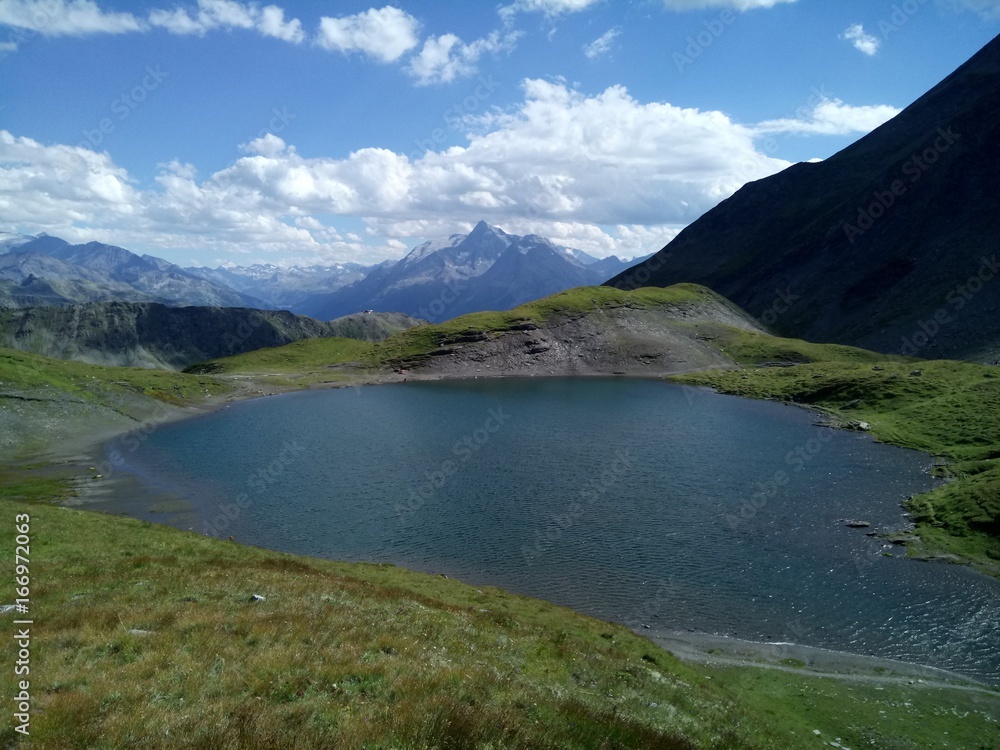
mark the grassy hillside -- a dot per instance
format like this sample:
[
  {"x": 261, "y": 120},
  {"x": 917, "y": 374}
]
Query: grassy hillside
[
  {"x": 342, "y": 360},
  {"x": 416, "y": 344},
  {"x": 147, "y": 637},
  {"x": 153, "y": 335},
  {"x": 308, "y": 361},
  {"x": 375, "y": 326},
  {"x": 45, "y": 402},
  {"x": 948, "y": 409},
  {"x": 20, "y": 371}
]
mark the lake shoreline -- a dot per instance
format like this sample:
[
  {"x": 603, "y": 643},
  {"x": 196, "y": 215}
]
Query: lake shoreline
[
  {"x": 728, "y": 651},
  {"x": 85, "y": 453}
]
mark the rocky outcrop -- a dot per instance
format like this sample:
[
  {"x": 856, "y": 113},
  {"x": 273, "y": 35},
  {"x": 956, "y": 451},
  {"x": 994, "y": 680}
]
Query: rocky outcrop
[{"x": 613, "y": 337}]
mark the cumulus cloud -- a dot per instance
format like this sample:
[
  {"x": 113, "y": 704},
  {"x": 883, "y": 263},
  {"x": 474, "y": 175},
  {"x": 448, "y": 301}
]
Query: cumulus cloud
[
  {"x": 385, "y": 34},
  {"x": 444, "y": 58},
  {"x": 605, "y": 173},
  {"x": 65, "y": 18},
  {"x": 84, "y": 17},
  {"x": 272, "y": 23},
  {"x": 740, "y": 5},
  {"x": 602, "y": 45},
  {"x": 862, "y": 41},
  {"x": 210, "y": 15},
  {"x": 550, "y": 8},
  {"x": 833, "y": 117}
]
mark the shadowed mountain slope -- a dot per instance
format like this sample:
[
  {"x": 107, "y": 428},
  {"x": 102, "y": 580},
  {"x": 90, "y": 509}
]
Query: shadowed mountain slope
[
  {"x": 891, "y": 244},
  {"x": 154, "y": 335}
]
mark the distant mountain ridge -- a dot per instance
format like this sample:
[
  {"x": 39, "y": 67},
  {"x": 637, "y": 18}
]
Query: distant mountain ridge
[
  {"x": 486, "y": 269},
  {"x": 143, "y": 334},
  {"x": 284, "y": 287},
  {"x": 46, "y": 271},
  {"x": 891, "y": 244}
]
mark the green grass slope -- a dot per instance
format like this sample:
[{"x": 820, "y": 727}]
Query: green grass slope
[
  {"x": 334, "y": 360},
  {"x": 329, "y": 360},
  {"x": 417, "y": 344},
  {"x": 147, "y": 637},
  {"x": 44, "y": 401}
]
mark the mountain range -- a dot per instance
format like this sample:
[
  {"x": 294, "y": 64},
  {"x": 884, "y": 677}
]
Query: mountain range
[
  {"x": 45, "y": 270},
  {"x": 283, "y": 287},
  {"x": 891, "y": 244},
  {"x": 486, "y": 269}
]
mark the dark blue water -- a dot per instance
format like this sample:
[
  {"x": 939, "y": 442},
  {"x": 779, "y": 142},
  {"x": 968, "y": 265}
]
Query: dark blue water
[{"x": 635, "y": 501}]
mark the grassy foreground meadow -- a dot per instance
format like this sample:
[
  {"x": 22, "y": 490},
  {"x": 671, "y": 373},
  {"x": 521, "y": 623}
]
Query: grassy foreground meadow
[{"x": 145, "y": 636}]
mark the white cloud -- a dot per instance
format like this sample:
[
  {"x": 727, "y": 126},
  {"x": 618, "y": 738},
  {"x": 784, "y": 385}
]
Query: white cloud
[
  {"x": 445, "y": 58},
  {"x": 268, "y": 145},
  {"x": 65, "y": 18},
  {"x": 988, "y": 9},
  {"x": 601, "y": 45},
  {"x": 82, "y": 17},
  {"x": 548, "y": 7},
  {"x": 211, "y": 15},
  {"x": 862, "y": 41},
  {"x": 272, "y": 23},
  {"x": 833, "y": 117},
  {"x": 741, "y": 5},
  {"x": 605, "y": 173},
  {"x": 385, "y": 34}
]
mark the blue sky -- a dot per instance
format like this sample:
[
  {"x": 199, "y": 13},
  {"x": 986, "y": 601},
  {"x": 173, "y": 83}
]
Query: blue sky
[{"x": 215, "y": 131}]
